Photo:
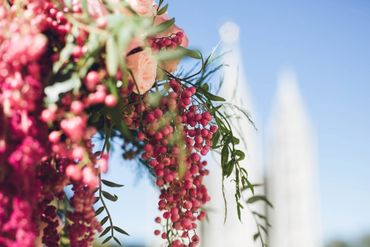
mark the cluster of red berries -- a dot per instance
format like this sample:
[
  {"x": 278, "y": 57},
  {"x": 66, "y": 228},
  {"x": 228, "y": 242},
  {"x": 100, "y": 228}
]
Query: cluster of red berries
[
  {"x": 172, "y": 41},
  {"x": 175, "y": 134}
]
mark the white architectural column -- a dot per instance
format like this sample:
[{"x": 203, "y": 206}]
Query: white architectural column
[
  {"x": 234, "y": 89},
  {"x": 292, "y": 170}
]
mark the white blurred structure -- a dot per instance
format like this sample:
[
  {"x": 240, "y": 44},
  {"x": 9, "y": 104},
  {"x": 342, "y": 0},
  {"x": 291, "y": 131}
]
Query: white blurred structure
[
  {"x": 292, "y": 170},
  {"x": 234, "y": 89}
]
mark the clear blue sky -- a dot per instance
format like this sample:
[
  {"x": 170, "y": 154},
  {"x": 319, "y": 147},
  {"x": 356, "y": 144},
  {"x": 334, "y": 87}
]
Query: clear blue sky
[{"x": 327, "y": 43}]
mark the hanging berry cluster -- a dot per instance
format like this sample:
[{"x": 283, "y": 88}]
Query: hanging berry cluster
[{"x": 70, "y": 70}]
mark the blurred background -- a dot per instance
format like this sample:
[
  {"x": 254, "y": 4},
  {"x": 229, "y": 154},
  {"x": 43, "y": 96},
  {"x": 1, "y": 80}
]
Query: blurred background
[{"x": 303, "y": 70}]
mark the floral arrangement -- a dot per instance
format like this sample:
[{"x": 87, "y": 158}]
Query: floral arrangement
[{"x": 74, "y": 69}]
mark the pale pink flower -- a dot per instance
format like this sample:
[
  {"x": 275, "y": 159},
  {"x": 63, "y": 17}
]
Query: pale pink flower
[
  {"x": 144, "y": 70},
  {"x": 142, "y": 7}
]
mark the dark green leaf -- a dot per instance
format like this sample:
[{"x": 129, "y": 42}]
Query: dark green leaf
[
  {"x": 213, "y": 97},
  {"x": 163, "y": 10},
  {"x": 224, "y": 156},
  {"x": 117, "y": 241},
  {"x": 240, "y": 154},
  {"x": 106, "y": 230},
  {"x": 96, "y": 199},
  {"x": 107, "y": 239},
  {"x": 111, "y": 184},
  {"x": 257, "y": 198},
  {"x": 215, "y": 139},
  {"x": 120, "y": 230},
  {"x": 104, "y": 220},
  {"x": 263, "y": 228},
  {"x": 109, "y": 196},
  {"x": 99, "y": 210},
  {"x": 256, "y": 236}
]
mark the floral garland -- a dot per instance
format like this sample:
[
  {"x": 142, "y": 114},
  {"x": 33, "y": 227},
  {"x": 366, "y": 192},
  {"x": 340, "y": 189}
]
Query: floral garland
[{"x": 73, "y": 69}]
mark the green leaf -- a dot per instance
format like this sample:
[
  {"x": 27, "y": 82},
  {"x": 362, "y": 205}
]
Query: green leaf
[
  {"x": 112, "y": 59},
  {"x": 163, "y": 10},
  {"x": 240, "y": 154},
  {"x": 256, "y": 236},
  {"x": 107, "y": 239},
  {"x": 258, "y": 198},
  {"x": 190, "y": 53},
  {"x": 263, "y": 228},
  {"x": 224, "y": 155},
  {"x": 239, "y": 208},
  {"x": 215, "y": 138},
  {"x": 109, "y": 196},
  {"x": 117, "y": 241},
  {"x": 120, "y": 230},
  {"x": 96, "y": 199},
  {"x": 163, "y": 26},
  {"x": 106, "y": 230},
  {"x": 104, "y": 220},
  {"x": 170, "y": 54},
  {"x": 111, "y": 184},
  {"x": 213, "y": 97},
  {"x": 99, "y": 210}
]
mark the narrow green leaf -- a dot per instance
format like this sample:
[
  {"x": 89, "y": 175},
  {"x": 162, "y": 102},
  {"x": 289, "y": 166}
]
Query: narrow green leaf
[
  {"x": 163, "y": 10},
  {"x": 263, "y": 228},
  {"x": 99, "y": 210},
  {"x": 240, "y": 154},
  {"x": 215, "y": 139},
  {"x": 109, "y": 196},
  {"x": 257, "y": 198},
  {"x": 107, "y": 239},
  {"x": 104, "y": 220},
  {"x": 224, "y": 156},
  {"x": 117, "y": 241},
  {"x": 213, "y": 97},
  {"x": 120, "y": 230},
  {"x": 170, "y": 54},
  {"x": 111, "y": 184},
  {"x": 96, "y": 199},
  {"x": 112, "y": 58},
  {"x": 106, "y": 230},
  {"x": 256, "y": 236},
  {"x": 190, "y": 53},
  {"x": 164, "y": 25}
]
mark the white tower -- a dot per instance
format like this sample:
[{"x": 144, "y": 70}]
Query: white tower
[
  {"x": 292, "y": 170},
  {"x": 234, "y": 89}
]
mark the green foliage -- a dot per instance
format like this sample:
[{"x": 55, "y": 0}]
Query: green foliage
[{"x": 111, "y": 228}]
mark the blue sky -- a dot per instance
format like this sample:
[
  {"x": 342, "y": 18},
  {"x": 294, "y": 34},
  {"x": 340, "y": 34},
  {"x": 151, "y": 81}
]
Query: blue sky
[{"x": 327, "y": 43}]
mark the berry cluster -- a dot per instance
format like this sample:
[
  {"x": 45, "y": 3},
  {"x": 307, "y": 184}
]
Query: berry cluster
[
  {"x": 172, "y": 41},
  {"x": 175, "y": 134}
]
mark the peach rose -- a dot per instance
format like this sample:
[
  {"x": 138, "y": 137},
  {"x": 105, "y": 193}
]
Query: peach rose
[
  {"x": 142, "y": 7},
  {"x": 144, "y": 70}
]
